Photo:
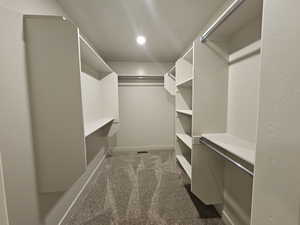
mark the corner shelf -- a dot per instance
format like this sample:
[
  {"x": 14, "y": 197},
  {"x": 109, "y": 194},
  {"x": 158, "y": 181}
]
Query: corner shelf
[
  {"x": 186, "y": 83},
  {"x": 92, "y": 127},
  {"x": 185, "y": 112},
  {"x": 243, "y": 149},
  {"x": 186, "y": 139},
  {"x": 185, "y": 165}
]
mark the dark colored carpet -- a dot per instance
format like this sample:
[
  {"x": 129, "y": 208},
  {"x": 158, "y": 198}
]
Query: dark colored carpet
[{"x": 141, "y": 189}]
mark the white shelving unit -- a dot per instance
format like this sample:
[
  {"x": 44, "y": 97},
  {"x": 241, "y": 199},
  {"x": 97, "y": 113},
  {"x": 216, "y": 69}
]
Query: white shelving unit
[
  {"x": 90, "y": 57},
  {"x": 186, "y": 139},
  {"x": 185, "y": 165},
  {"x": 75, "y": 108},
  {"x": 97, "y": 125},
  {"x": 185, "y": 112},
  {"x": 186, "y": 83},
  {"x": 225, "y": 110},
  {"x": 169, "y": 81},
  {"x": 183, "y": 120},
  {"x": 237, "y": 146}
]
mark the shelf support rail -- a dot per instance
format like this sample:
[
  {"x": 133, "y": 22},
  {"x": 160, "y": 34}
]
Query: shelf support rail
[
  {"x": 203, "y": 141},
  {"x": 225, "y": 14}
]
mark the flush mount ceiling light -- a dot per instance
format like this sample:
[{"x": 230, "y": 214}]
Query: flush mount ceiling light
[{"x": 141, "y": 40}]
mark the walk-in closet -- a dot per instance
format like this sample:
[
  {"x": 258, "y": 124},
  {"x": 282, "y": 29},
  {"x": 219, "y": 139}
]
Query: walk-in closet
[{"x": 148, "y": 112}]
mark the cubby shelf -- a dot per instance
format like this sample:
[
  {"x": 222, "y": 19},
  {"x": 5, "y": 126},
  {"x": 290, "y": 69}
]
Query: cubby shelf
[
  {"x": 186, "y": 139},
  {"x": 92, "y": 127},
  {"x": 185, "y": 165},
  {"x": 243, "y": 149},
  {"x": 185, "y": 112},
  {"x": 186, "y": 83}
]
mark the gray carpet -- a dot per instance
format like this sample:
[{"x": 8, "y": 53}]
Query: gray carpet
[{"x": 141, "y": 189}]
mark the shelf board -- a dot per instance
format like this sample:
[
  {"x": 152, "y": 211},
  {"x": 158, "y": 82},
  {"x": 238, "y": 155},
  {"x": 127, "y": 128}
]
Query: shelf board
[
  {"x": 245, "y": 52},
  {"x": 186, "y": 83},
  {"x": 243, "y": 149},
  {"x": 186, "y": 139},
  {"x": 185, "y": 165},
  {"x": 96, "y": 125},
  {"x": 185, "y": 112},
  {"x": 90, "y": 57}
]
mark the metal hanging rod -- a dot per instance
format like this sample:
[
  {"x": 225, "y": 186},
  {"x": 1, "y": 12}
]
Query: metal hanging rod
[
  {"x": 147, "y": 77},
  {"x": 203, "y": 141},
  {"x": 225, "y": 14}
]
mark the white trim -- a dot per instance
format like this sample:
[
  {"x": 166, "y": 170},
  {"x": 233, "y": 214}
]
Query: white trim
[
  {"x": 54, "y": 217},
  {"x": 226, "y": 219},
  {"x": 82, "y": 190},
  {"x": 142, "y": 148}
]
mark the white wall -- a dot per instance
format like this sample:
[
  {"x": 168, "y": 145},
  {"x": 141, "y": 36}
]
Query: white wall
[
  {"x": 15, "y": 129},
  {"x": 276, "y": 196},
  {"x": 146, "y": 112}
]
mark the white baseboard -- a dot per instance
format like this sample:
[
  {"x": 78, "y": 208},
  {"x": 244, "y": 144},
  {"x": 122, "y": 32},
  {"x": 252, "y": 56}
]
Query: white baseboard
[
  {"x": 60, "y": 212},
  {"x": 226, "y": 218},
  {"x": 142, "y": 148}
]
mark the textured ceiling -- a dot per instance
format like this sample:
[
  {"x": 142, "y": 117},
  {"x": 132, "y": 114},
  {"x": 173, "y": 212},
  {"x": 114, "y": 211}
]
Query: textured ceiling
[{"x": 169, "y": 25}]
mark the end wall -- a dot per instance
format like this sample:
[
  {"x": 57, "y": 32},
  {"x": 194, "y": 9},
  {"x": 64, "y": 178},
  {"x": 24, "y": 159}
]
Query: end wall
[{"x": 146, "y": 111}]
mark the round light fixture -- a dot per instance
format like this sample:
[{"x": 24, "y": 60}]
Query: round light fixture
[{"x": 141, "y": 40}]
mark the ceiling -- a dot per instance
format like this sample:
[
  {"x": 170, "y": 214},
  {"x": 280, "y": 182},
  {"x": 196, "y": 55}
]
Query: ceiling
[{"x": 169, "y": 25}]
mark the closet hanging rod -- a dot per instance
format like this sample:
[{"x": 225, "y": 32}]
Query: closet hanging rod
[
  {"x": 148, "y": 77},
  {"x": 225, "y": 14},
  {"x": 203, "y": 141}
]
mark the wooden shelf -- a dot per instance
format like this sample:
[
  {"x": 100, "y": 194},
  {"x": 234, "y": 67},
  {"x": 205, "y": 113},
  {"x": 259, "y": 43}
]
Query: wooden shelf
[
  {"x": 186, "y": 83},
  {"x": 92, "y": 127},
  {"x": 185, "y": 112},
  {"x": 241, "y": 148},
  {"x": 185, "y": 165},
  {"x": 186, "y": 139},
  {"x": 90, "y": 57}
]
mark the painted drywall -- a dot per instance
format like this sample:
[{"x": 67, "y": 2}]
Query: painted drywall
[
  {"x": 147, "y": 117},
  {"x": 242, "y": 116},
  {"x": 276, "y": 195},
  {"x": 16, "y": 138},
  {"x": 243, "y": 91},
  {"x": 146, "y": 112}
]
